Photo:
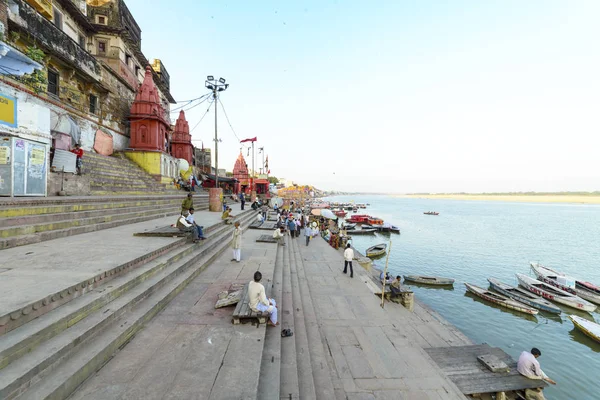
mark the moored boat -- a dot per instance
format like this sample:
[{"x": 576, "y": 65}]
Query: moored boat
[
  {"x": 358, "y": 218},
  {"x": 375, "y": 221},
  {"x": 429, "y": 280},
  {"x": 590, "y": 328},
  {"x": 550, "y": 292},
  {"x": 340, "y": 213},
  {"x": 585, "y": 290},
  {"x": 377, "y": 250},
  {"x": 362, "y": 231},
  {"x": 431, "y": 213},
  {"x": 500, "y": 300},
  {"x": 523, "y": 296},
  {"x": 349, "y": 226}
]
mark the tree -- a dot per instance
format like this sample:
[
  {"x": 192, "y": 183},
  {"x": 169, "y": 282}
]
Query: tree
[
  {"x": 273, "y": 180},
  {"x": 229, "y": 174}
]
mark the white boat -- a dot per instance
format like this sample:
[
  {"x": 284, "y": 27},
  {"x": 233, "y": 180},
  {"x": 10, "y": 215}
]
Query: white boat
[
  {"x": 585, "y": 290},
  {"x": 590, "y": 328},
  {"x": 550, "y": 292}
]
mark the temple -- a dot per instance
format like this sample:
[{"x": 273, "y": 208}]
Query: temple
[
  {"x": 240, "y": 172},
  {"x": 181, "y": 141}
]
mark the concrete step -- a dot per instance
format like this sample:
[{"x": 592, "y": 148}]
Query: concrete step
[
  {"x": 21, "y": 240},
  {"x": 20, "y": 202},
  {"x": 306, "y": 382},
  {"x": 98, "y": 176},
  {"x": 35, "y": 309},
  {"x": 72, "y": 223},
  {"x": 323, "y": 383},
  {"x": 79, "y": 351}
]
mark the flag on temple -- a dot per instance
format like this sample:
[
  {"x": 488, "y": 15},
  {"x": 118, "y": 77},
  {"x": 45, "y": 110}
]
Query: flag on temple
[{"x": 248, "y": 140}]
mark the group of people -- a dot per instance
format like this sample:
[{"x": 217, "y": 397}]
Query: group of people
[{"x": 186, "y": 222}]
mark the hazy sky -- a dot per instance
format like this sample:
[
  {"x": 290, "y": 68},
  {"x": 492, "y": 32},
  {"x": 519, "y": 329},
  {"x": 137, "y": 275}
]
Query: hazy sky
[{"x": 394, "y": 96}]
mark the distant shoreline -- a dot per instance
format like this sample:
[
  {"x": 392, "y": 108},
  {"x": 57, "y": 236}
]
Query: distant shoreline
[{"x": 542, "y": 198}]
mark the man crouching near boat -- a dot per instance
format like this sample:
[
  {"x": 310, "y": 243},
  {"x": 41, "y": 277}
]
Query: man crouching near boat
[{"x": 529, "y": 367}]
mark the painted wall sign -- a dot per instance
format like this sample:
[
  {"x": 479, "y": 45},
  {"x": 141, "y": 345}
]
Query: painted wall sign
[{"x": 8, "y": 110}]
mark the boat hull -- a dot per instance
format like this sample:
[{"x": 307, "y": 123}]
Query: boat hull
[
  {"x": 524, "y": 299},
  {"x": 500, "y": 300},
  {"x": 429, "y": 280},
  {"x": 570, "y": 301},
  {"x": 589, "y": 328},
  {"x": 377, "y": 250},
  {"x": 540, "y": 273}
]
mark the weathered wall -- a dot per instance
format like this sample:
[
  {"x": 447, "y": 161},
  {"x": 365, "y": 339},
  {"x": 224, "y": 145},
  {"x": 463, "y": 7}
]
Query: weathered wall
[
  {"x": 33, "y": 117},
  {"x": 74, "y": 185}
]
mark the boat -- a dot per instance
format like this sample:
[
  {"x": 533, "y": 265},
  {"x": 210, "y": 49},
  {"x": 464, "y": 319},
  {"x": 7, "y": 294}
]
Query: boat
[
  {"x": 358, "y": 218},
  {"x": 431, "y": 213},
  {"x": 500, "y": 300},
  {"x": 362, "y": 231},
  {"x": 377, "y": 250},
  {"x": 429, "y": 280},
  {"x": 355, "y": 210},
  {"x": 375, "y": 221},
  {"x": 366, "y": 226},
  {"x": 550, "y": 292},
  {"x": 348, "y": 226},
  {"x": 585, "y": 290},
  {"x": 340, "y": 213},
  {"x": 394, "y": 229},
  {"x": 590, "y": 328},
  {"x": 523, "y": 296}
]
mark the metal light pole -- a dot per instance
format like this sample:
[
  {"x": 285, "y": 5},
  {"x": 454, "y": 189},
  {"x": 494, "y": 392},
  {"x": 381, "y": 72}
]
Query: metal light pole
[
  {"x": 262, "y": 150},
  {"x": 216, "y": 86}
]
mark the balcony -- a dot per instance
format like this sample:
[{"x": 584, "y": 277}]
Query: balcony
[
  {"x": 113, "y": 59},
  {"x": 44, "y": 7},
  {"x": 52, "y": 40}
]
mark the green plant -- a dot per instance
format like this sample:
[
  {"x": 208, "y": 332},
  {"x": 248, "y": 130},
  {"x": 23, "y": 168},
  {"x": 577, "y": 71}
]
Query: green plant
[
  {"x": 35, "y": 53},
  {"x": 14, "y": 36},
  {"x": 37, "y": 81}
]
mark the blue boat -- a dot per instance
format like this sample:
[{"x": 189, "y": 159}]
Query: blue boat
[{"x": 523, "y": 296}]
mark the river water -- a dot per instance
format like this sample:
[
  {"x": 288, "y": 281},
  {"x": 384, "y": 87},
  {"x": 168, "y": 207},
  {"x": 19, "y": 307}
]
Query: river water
[{"x": 473, "y": 240}]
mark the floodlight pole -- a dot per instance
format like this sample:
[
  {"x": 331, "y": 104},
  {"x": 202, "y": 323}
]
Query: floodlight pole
[{"x": 216, "y": 86}]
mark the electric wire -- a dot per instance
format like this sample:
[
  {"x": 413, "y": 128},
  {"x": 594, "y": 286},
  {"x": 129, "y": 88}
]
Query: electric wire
[
  {"x": 207, "y": 110},
  {"x": 227, "y": 118}
]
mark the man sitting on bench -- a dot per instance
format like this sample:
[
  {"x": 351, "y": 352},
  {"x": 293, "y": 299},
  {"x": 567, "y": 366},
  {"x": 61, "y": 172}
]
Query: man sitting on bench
[{"x": 258, "y": 299}]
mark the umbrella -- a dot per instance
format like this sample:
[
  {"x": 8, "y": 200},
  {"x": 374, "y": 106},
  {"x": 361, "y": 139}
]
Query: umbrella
[
  {"x": 328, "y": 214},
  {"x": 315, "y": 211}
]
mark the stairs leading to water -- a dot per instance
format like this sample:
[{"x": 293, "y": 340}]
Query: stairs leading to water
[
  {"x": 50, "y": 354},
  {"x": 33, "y": 220}
]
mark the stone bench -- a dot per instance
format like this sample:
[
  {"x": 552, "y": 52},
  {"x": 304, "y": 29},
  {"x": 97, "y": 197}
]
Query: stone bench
[{"x": 243, "y": 312}]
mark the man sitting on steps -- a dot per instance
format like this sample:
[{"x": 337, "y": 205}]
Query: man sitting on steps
[
  {"x": 278, "y": 234},
  {"x": 258, "y": 299},
  {"x": 191, "y": 220},
  {"x": 184, "y": 226},
  {"x": 227, "y": 217}
]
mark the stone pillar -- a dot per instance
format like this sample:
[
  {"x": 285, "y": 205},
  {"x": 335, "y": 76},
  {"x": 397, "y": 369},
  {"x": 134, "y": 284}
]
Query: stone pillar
[
  {"x": 408, "y": 300},
  {"x": 253, "y": 196},
  {"x": 215, "y": 199}
]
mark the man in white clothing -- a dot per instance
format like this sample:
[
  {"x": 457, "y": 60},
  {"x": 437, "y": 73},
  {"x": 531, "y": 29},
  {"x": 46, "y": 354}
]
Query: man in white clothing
[
  {"x": 529, "y": 367},
  {"x": 307, "y": 233},
  {"x": 278, "y": 234},
  {"x": 191, "y": 220},
  {"x": 184, "y": 226},
  {"x": 348, "y": 256},
  {"x": 258, "y": 299}
]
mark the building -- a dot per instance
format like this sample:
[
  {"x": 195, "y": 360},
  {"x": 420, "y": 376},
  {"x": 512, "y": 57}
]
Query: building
[{"x": 202, "y": 160}]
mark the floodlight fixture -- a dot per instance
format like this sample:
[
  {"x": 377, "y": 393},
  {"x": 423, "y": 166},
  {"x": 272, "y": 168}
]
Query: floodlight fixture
[
  {"x": 222, "y": 80},
  {"x": 210, "y": 78}
]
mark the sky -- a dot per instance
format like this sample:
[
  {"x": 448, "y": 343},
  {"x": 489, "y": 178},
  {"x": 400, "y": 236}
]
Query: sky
[{"x": 393, "y": 96}]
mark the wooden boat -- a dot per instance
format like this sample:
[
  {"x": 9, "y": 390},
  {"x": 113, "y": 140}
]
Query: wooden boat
[
  {"x": 349, "y": 226},
  {"x": 590, "y": 328},
  {"x": 362, "y": 232},
  {"x": 377, "y": 250},
  {"x": 550, "y": 292},
  {"x": 359, "y": 218},
  {"x": 366, "y": 226},
  {"x": 375, "y": 221},
  {"x": 585, "y": 290},
  {"x": 394, "y": 229},
  {"x": 340, "y": 213},
  {"x": 500, "y": 300},
  {"x": 523, "y": 296},
  {"x": 429, "y": 280},
  {"x": 431, "y": 213}
]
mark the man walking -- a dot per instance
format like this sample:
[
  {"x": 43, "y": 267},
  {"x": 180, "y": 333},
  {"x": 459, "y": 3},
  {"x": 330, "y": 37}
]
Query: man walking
[
  {"x": 348, "y": 256},
  {"x": 307, "y": 233},
  {"x": 242, "y": 200},
  {"x": 191, "y": 220},
  {"x": 529, "y": 367},
  {"x": 78, "y": 151},
  {"x": 257, "y": 299},
  {"x": 292, "y": 227},
  {"x": 236, "y": 242}
]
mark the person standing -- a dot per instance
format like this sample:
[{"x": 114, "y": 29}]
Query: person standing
[
  {"x": 348, "y": 256},
  {"x": 78, "y": 151},
  {"x": 307, "y": 233},
  {"x": 529, "y": 367},
  {"x": 297, "y": 227},
  {"x": 264, "y": 209},
  {"x": 292, "y": 227},
  {"x": 187, "y": 203},
  {"x": 236, "y": 242},
  {"x": 242, "y": 199}
]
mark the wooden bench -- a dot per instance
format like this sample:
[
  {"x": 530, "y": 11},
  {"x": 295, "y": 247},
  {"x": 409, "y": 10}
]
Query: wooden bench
[{"x": 243, "y": 312}]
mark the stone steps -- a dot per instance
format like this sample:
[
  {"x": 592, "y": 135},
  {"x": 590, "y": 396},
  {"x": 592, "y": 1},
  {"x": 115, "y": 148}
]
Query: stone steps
[
  {"x": 38, "y": 221},
  {"x": 52, "y": 355},
  {"x": 322, "y": 381}
]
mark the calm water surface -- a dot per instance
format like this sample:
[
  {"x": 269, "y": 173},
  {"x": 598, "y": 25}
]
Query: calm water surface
[{"x": 473, "y": 240}]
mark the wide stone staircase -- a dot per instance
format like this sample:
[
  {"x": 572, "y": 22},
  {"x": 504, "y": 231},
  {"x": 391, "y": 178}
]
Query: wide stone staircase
[
  {"x": 49, "y": 346},
  {"x": 33, "y": 220},
  {"x": 297, "y": 363},
  {"x": 117, "y": 174}
]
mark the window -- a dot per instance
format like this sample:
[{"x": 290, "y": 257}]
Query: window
[
  {"x": 53, "y": 82},
  {"x": 102, "y": 20},
  {"x": 137, "y": 70},
  {"x": 128, "y": 59},
  {"x": 58, "y": 19},
  {"x": 93, "y": 104},
  {"x": 82, "y": 41},
  {"x": 101, "y": 47}
]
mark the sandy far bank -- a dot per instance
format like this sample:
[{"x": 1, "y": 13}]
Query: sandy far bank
[{"x": 514, "y": 198}]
